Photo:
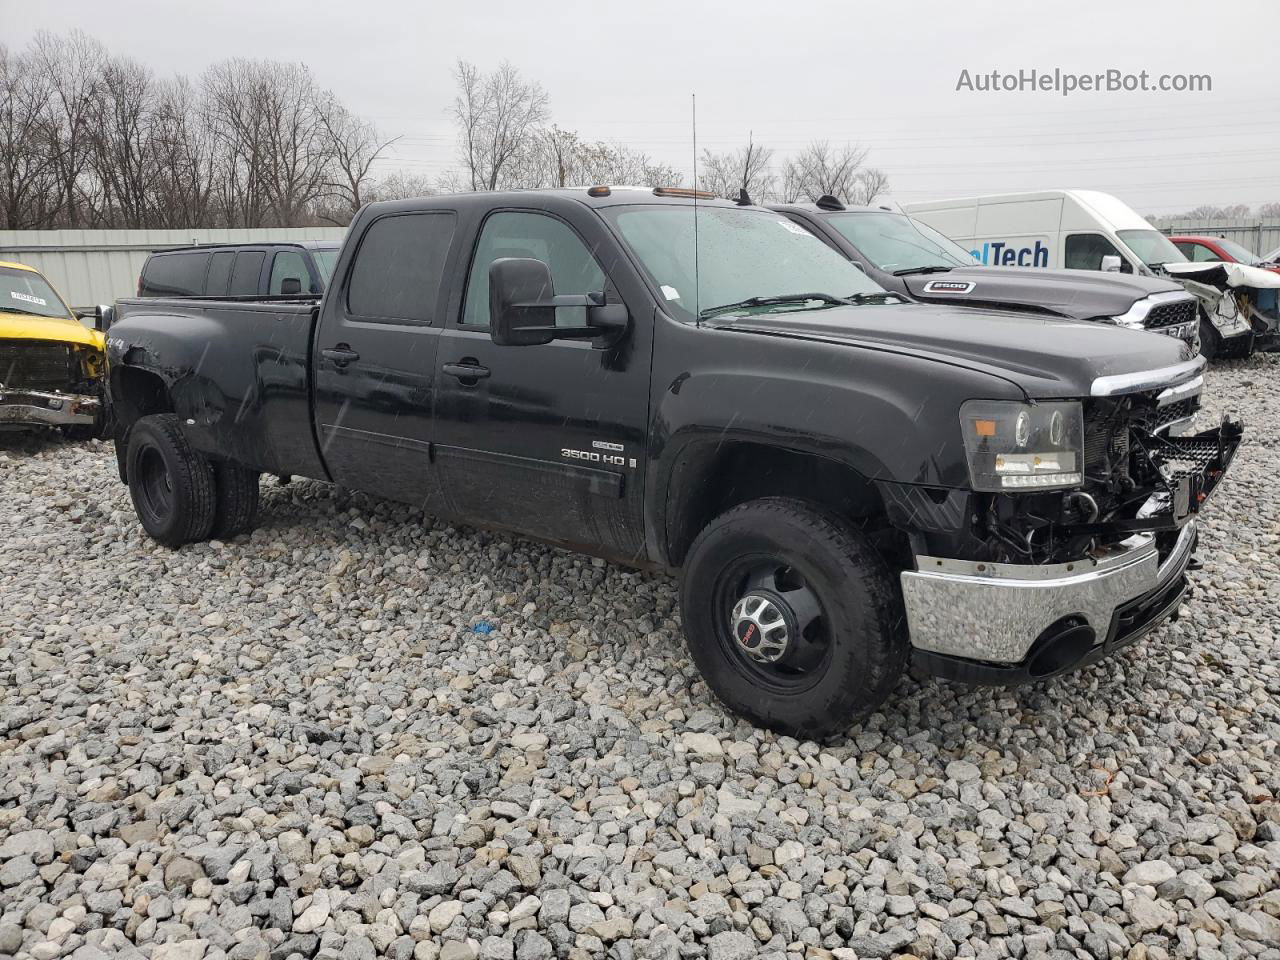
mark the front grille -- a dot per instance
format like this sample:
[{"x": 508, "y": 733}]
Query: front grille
[
  {"x": 35, "y": 364},
  {"x": 1167, "y": 314},
  {"x": 1172, "y": 413}
]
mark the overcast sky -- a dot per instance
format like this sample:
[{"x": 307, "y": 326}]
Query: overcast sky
[{"x": 882, "y": 75}]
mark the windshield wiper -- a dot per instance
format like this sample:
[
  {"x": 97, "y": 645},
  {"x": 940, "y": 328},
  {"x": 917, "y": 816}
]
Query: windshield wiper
[
  {"x": 877, "y": 296},
  {"x": 910, "y": 270},
  {"x": 28, "y": 313},
  {"x": 771, "y": 301}
]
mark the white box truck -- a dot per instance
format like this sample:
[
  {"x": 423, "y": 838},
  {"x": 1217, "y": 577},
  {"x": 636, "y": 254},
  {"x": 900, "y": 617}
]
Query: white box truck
[{"x": 1079, "y": 230}]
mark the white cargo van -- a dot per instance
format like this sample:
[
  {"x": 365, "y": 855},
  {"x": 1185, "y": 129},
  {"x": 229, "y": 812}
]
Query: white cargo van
[{"x": 1075, "y": 230}]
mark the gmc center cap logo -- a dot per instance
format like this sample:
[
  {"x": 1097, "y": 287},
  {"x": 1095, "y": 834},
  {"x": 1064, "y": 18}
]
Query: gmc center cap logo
[{"x": 949, "y": 286}]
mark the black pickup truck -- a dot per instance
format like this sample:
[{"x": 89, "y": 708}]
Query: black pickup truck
[
  {"x": 844, "y": 481},
  {"x": 909, "y": 257}
]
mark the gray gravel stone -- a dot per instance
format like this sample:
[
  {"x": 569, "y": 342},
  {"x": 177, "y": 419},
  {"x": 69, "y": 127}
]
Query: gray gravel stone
[{"x": 212, "y": 742}]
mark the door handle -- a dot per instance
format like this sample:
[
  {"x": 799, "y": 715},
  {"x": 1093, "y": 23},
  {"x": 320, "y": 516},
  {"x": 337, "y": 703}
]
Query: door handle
[
  {"x": 466, "y": 371},
  {"x": 340, "y": 355}
]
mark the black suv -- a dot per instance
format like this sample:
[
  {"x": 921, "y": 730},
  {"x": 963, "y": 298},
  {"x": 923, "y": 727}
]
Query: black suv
[{"x": 239, "y": 270}]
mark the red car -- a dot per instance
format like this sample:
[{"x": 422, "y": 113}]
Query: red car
[{"x": 1202, "y": 249}]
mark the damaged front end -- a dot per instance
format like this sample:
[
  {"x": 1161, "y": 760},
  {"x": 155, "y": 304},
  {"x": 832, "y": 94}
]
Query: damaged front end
[
  {"x": 1240, "y": 302},
  {"x": 1032, "y": 584},
  {"x": 50, "y": 383}
]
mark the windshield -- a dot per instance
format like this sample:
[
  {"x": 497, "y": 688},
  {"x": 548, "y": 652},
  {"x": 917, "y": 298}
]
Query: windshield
[
  {"x": 24, "y": 291},
  {"x": 1237, "y": 253},
  {"x": 1151, "y": 246},
  {"x": 893, "y": 241},
  {"x": 742, "y": 254},
  {"x": 325, "y": 258}
]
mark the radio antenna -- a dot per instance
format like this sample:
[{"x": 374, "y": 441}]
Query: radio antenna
[{"x": 697, "y": 278}]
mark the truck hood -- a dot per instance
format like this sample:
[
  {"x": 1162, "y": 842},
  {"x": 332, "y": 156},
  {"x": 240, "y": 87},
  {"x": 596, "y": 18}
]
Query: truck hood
[
  {"x": 1075, "y": 294},
  {"x": 21, "y": 326},
  {"x": 1044, "y": 357}
]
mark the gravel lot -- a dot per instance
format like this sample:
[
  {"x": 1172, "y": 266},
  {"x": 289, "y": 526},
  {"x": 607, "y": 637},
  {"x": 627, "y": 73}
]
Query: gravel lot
[{"x": 305, "y": 743}]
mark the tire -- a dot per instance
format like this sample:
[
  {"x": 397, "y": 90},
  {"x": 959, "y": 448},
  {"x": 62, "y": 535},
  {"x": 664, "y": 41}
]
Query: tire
[
  {"x": 1210, "y": 340},
  {"x": 80, "y": 432},
  {"x": 837, "y": 667},
  {"x": 171, "y": 484},
  {"x": 236, "y": 500}
]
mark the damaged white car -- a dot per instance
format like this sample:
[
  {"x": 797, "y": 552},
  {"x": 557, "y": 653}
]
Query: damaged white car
[{"x": 1238, "y": 306}]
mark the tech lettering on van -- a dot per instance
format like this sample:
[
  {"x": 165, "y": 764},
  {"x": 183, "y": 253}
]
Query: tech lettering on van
[{"x": 1001, "y": 254}]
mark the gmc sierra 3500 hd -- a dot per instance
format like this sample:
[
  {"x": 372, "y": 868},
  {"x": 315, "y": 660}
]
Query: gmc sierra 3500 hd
[{"x": 844, "y": 480}]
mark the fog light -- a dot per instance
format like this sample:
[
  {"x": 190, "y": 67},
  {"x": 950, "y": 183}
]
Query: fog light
[{"x": 55, "y": 403}]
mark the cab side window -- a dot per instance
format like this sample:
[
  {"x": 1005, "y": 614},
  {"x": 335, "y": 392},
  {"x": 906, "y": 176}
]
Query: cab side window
[
  {"x": 289, "y": 265},
  {"x": 399, "y": 266},
  {"x": 1084, "y": 251},
  {"x": 219, "y": 277},
  {"x": 174, "y": 275},
  {"x": 1201, "y": 254},
  {"x": 539, "y": 237}
]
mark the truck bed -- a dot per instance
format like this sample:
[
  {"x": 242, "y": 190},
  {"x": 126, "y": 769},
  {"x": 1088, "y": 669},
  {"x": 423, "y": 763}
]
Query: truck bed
[{"x": 238, "y": 372}]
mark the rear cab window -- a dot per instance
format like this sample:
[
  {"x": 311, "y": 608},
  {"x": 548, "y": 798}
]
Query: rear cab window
[{"x": 399, "y": 266}]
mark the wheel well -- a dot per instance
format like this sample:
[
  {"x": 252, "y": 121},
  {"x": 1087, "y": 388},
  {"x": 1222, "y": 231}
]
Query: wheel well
[
  {"x": 137, "y": 393},
  {"x": 712, "y": 477}
]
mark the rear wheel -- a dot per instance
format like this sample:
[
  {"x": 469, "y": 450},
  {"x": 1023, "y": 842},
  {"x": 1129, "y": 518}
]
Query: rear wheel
[
  {"x": 792, "y": 618},
  {"x": 236, "y": 507},
  {"x": 171, "y": 485}
]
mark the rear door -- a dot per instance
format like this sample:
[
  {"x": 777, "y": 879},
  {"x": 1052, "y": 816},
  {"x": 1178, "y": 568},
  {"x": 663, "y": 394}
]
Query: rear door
[
  {"x": 546, "y": 440},
  {"x": 375, "y": 357}
]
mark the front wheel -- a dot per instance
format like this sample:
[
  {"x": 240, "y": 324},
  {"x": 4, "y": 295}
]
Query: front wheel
[
  {"x": 1210, "y": 339},
  {"x": 792, "y": 617},
  {"x": 171, "y": 485}
]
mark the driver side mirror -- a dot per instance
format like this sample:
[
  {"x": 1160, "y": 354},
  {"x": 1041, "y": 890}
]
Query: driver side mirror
[
  {"x": 1111, "y": 263},
  {"x": 290, "y": 287},
  {"x": 523, "y": 302}
]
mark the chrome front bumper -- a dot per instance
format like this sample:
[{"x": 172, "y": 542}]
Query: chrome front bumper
[
  {"x": 995, "y": 612},
  {"x": 20, "y": 407}
]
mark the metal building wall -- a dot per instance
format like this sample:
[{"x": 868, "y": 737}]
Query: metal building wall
[
  {"x": 98, "y": 266},
  {"x": 1259, "y": 235}
]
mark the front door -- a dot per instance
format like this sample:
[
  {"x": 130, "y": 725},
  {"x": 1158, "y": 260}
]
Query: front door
[
  {"x": 549, "y": 439},
  {"x": 376, "y": 357}
]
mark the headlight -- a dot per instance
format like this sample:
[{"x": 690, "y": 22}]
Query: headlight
[{"x": 1023, "y": 446}]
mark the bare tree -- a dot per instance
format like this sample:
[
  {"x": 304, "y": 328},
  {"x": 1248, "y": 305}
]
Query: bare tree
[
  {"x": 400, "y": 186},
  {"x": 1269, "y": 210},
  {"x": 871, "y": 183},
  {"x": 499, "y": 115},
  {"x": 821, "y": 169},
  {"x": 70, "y": 68},
  {"x": 28, "y": 179},
  {"x": 353, "y": 146},
  {"x": 747, "y": 168},
  {"x": 185, "y": 157},
  {"x": 120, "y": 154}
]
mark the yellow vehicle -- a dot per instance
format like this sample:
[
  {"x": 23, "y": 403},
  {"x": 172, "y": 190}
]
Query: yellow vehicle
[{"x": 51, "y": 365}]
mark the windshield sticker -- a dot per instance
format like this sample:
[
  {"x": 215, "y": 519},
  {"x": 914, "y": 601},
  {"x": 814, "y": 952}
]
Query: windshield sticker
[
  {"x": 671, "y": 293},
  {"x": 794, "y": 228},
  {"x": 28, "y": 298},
  {"x": 949, "y": 286}
]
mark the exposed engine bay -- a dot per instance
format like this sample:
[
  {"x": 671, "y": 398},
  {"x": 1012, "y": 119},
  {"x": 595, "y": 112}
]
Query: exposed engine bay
[{"x": 1141, "y": 474}]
